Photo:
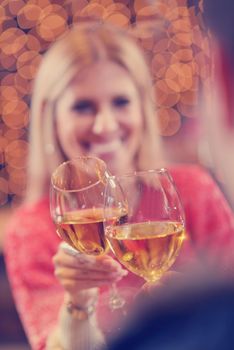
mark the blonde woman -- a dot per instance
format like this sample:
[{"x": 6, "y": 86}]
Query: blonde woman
[{"x": 92, "y": 96}]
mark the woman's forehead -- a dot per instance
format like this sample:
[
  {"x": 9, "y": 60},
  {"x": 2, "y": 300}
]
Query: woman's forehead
[{"x": 104, "y": 76}]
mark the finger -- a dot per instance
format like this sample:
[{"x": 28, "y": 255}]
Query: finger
[
  {"x": 69, "y": 249},
  {"x": 75, "y": 286},
  {"x": 82, "y": 274},
  {"x": 66, "y": 248},
  {"x": 104, "y": 263},
  {"x": 82, "y": 258},
  {"x": 64, "y": 259}
]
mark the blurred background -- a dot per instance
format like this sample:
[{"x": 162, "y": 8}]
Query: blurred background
[{"x": 176, "y": 45}]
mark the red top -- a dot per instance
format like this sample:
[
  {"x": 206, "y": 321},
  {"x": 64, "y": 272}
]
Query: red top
[{"x": 31, "y": 242}]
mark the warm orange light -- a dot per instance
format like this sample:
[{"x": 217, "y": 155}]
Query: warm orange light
[
  {"x": 12, "y": 40},
  {"x": 118, "y": 19},
  {"x": 3, "y": 143},
  {"x": 15, "y": 6},
  {"x": 51, "y": 27},
  {"x": 118, "y": 8},
  {"x": 16, "y": 120},
  {"x": 16, "y": 154},
  {"x": 3, "y": 185},
  {"x": 186, "y": 110},
  {"x": 165, "y": 96},
  {"x": 53, "y": 9},
  {"x": 28, "y": 16},
  {"x": 169, "y": 121},
  {"x": 27, "y": 64},
  {"x": 9, "y": 93},
  {"x": 93, "y": 10},
  {"x": 7, "y": 61},
  {"x": 4, "y": 190},
  {"x": 33, "y": 44},
  {"x": 104, "y": 3},
  {"x": 14, "y": 134}
]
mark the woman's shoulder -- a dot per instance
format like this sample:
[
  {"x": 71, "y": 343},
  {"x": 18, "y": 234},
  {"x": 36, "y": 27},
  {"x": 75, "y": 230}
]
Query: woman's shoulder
[
  {"x": 30, "y": 215},
  {"x": 196, "y": 184},
  {"x": 34, "y": 208},
  {"x": 191, "y": 175},
  {"x": 188, "y": 169}
]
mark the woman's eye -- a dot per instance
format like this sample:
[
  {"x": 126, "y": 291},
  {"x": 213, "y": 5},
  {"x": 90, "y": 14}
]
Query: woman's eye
[
  {"x": 84, "y": 107},
  {"x": 121, "y": 101}
]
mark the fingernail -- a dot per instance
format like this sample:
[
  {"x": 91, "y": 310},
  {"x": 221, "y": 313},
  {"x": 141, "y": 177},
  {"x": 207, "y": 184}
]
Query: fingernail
[
  {"x": 120, "y": 273},
  {"x": 124, "y": 272}
]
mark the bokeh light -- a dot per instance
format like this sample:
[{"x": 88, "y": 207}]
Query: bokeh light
[{"x": 170, "y": 32}]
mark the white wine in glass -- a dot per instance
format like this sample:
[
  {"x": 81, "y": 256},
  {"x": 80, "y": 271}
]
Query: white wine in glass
[
  {"x": 150, "y": 238},
  {"x": 76, "y": 205}
]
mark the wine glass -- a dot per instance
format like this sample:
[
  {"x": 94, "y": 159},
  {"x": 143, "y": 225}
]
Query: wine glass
[
  {"x": 149, "y": 237},
  {"x": 76, "y": 205}
]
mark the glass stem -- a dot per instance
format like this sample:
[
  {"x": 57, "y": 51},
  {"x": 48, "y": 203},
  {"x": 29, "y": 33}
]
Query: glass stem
[{"x": 116, "y": 301}]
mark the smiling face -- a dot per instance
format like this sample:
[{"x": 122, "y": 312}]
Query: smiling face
[{"x": 99, "y": 115}]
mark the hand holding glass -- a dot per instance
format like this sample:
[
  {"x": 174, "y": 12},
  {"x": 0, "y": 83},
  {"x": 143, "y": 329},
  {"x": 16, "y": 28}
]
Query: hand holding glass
[{"x": 76, "y": 203}]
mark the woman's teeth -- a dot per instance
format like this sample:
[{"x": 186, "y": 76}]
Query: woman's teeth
[{"x": 106, "y": 147}]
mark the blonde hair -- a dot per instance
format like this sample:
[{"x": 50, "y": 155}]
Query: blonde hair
[{"x": 80, "y": 47}]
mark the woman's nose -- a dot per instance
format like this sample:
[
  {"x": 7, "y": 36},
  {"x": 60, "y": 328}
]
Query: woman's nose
[{"x": 105, "y": 122}]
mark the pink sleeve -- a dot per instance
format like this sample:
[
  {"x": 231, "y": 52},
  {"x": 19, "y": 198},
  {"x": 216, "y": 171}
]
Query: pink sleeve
[
  {"x": 210, "y": 221},
  {"x": 29, "y": 246}
]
